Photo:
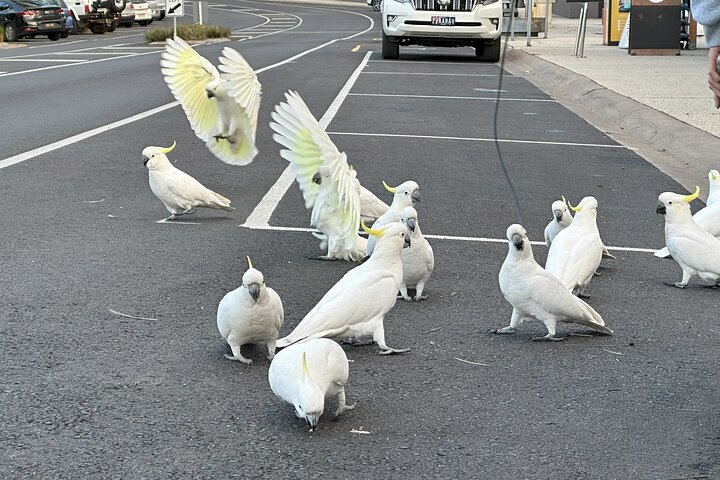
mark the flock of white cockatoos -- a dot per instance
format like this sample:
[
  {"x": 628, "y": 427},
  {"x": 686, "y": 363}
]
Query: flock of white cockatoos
[{"x": 222, "y": 106}]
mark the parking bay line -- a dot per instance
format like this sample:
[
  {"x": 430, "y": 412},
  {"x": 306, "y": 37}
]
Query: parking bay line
[
  {"x": 475, "y": 139},
  {"x": 96, "y": 131},
  {"x": 451, "y": 97},
  {"x": 42, "y": 60},
  {"x": 445, "y": 237}
]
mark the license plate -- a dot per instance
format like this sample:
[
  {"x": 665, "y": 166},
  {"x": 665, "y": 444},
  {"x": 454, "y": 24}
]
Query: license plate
[
  {"x": 442, "y": 20},
  {"x": 48, "y": 25}
]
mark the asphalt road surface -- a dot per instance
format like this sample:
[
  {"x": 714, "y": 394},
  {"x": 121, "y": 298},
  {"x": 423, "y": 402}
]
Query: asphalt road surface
[{"x": 88, "y": 393}]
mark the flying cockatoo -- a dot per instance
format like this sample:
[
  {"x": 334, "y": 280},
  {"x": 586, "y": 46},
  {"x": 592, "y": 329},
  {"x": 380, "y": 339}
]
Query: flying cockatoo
[
  {"x": 708, "y": 217},
  {"x": 407, "y": 194},
  {"x": 418, "y": 260},
  {"x": 576, "y": 251},
  {"x": 562, "y": 218},
  {"x": 714, "y": 182},
  {"x": 356, "y": 305},
  {"x": 694, "y": 249},
  {"x": 536, "y": 294},
  {"x": 180, "y": 192},
  {"x": 307, "y": 373},
  {"x": 222, "y": 107},
  {"x": 252, "y": 313},
  {"x": 309, "y": 147}
]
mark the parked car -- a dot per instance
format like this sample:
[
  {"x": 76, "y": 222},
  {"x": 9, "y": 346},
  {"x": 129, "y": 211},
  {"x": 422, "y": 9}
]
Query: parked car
[
  {"x": 158, "y": 9},
  {"x": 127, "y": 16},
  {"x": 143, "y": 14},
  {"x": 99, "y": 16},
  {"x": 26, "y": 18}
]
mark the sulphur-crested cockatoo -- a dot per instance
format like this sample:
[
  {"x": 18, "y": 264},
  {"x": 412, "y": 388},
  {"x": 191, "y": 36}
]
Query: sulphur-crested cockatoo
[
  {"x": 308, "y": 147},
  {"x": 694, "y": 249},
  {"x": 404, "y": 195},
  {"x": 252, "y": 313},
  {"x": 354, "y": 308},
  {"x": 576, "y": 251},
  {"x": 418, "y": 259},
  {"x": 536, "y": 294},
  {"x": 708, "y": 217},
  {"x": 222, "y": 107},
  {"x": 562, "y": 218},
  {"x": 179, "y": 192},
  {"x": 306, "y": 373},
  {"x": 714, "y": 182}
]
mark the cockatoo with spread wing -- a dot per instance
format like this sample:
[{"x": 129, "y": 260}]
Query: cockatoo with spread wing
[
  {"x": 418, "y": 259},
  {"x": 407, "y": 194},
  {"x": 309, "y": 147},
  {"x": 576, "y": 251},
  {"x": 354, "y": 308},
  {"x": 693, "y": 248},
  {"x": 222, "y": 106},
  {"x": 536, "y": 294},
  {"x": 252, "y": 313},
  {"x": 307, "y": 373},
  {"x": 179, "y": 192},
  {"x": 708, "y": 217}
]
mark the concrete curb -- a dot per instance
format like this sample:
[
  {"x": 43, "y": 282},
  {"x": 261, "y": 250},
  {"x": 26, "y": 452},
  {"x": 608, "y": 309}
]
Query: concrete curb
[{"x": 679, "y": 150}]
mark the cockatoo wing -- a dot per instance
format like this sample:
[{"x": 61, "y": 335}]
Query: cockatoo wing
[
  {"x": 571, "y": 257},
  {"x": 278, "y": 312},
  {"x": 697, "y": 249},
  {"x": 708, "y": 219},
  {"x": 347, "y": 303},
  {"x": 552, "y": 297},
  {"x": 242, "y": 84},
  {"x": 370, "y": 205},
  {"x": 308, "y": 145},
  {"x": 186, "y": 72},
  {"x": 193, "y": 192}
]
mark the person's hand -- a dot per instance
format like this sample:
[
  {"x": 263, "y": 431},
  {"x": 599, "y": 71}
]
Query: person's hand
[{"x": 714, "y": 75}]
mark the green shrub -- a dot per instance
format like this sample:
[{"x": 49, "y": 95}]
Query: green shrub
[
  {"x": 2, "y": 34},
  {"x": 187, "y": 31}
]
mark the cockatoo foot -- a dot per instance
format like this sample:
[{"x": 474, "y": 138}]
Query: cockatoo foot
[
  {"x": 390, "y": 351},
  {"x": 420, "y": 297},
  {"x": 406, "y": 297},
  {"x": 343, "y": 407},
  {"x": 597, "y": 274},
  {"x": 677, "y": 285},
  {"x": 504, "y": 330},
  {"x": 323, "y": 257},
  {"x": 716, "y": 286},
  {"x": 357, "y": 343},
  {"x": 239, "y": 358},
  {"x": 548, "y": 338}
]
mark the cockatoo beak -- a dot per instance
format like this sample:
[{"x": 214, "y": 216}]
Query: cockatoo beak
[
  {"x": 660, "y": 210},
  {"x": 312, "y": 420},
  {"x": 254, "y": 289},
  {"x": 415, "y": 196},
  {"x": 210, "y": 94},
  {"x": 411, "y": 224},
  {"x": 558, "y": 215},
  {"x": 145, "y": 161},
  {"x": 517, "y": 241},
  {"x": 407, "y": 241},
  {"x": 317, "y": 178}
]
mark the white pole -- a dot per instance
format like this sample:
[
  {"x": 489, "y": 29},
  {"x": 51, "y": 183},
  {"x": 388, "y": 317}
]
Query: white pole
[
  {"x": 547, "y": 17},
  {"x": 174, "y": 27},
  {"x": 528, "y": 10}
]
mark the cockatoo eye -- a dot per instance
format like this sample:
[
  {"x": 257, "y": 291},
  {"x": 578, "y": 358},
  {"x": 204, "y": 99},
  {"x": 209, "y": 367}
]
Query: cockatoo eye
[{"x": 669, "y": 203}]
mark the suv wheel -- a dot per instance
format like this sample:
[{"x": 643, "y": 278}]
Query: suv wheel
[
  {"x": 10, "y": 33},
  {"x": 111, "y": 28},
  {"x": 54, "y": 36},
  {"x": 116, "y": 6},
  {"x": 98, "y": 28},
  {"x": 390, "y": 49},
  {"x": 489, "y": 52}
]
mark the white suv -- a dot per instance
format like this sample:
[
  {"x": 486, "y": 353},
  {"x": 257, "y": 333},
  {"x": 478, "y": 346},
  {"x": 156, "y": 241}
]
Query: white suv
[{"x": 444, "y": 23}]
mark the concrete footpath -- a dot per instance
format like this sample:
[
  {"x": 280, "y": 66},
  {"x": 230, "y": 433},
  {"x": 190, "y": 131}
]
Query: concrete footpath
[{"x": 659, "y": 105}]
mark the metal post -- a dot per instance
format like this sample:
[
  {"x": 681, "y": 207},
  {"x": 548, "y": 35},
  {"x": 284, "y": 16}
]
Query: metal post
[
  {"x": 547, "y": 17},
  {"x": 579, "y": 32},
  {"x": 528, "y": 12},
  {"x": 584, "y": 30},
  {"x": 174, "y": 27},
  {"x": 200, "y": 11},
  {"x": 513, "y": 9}
]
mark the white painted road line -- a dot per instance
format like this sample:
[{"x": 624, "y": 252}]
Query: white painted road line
[
  {"x": 431, "y": 74},
  {"x": 470, "y": 139},
  {"x": 450, "y": 97},
  {"x": 96, "y": 131},
  {"x": 260, "y": 216},
  {"x": 73, "y": 64},
  {"x": 41, "y": 60},
  {"x": 448, "y": 237}
]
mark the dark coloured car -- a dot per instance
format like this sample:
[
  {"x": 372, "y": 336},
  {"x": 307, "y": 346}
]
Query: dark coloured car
[{"x": 27, "y": 18}]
